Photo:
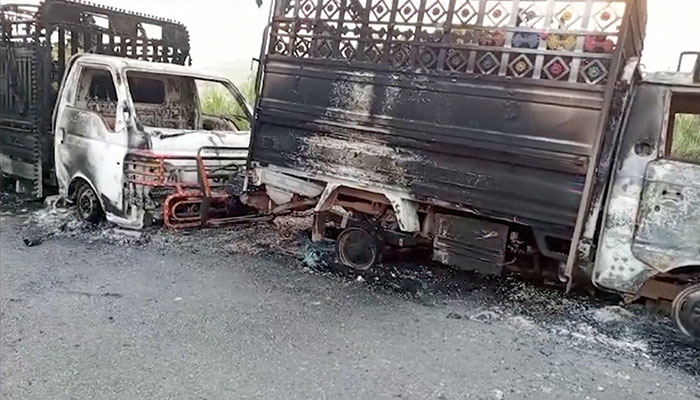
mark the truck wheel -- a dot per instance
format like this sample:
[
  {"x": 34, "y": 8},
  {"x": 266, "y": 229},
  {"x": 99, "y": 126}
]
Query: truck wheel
[
  {"x": 357, "y": 249},
  {"x": 89, "y": 208},
  {"x": 685, "y": 311}
]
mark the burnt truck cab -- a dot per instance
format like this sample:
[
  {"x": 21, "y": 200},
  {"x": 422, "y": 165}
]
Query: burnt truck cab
[
  {"x": 651, "y": 228},
  {"x": 128, "y": 133}
]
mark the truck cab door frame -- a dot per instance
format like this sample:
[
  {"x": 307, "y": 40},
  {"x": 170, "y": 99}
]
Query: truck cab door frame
[
  {"x": 667, "y": 234},
  {"x": 653, "y": 199},
  {"x": 86, "y": 146}
]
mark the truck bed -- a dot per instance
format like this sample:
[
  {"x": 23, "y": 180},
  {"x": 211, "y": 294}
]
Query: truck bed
[{"x": 503, "y": 142}]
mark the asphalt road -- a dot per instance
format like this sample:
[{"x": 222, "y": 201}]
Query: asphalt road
[{"x": 97, "y": 314}]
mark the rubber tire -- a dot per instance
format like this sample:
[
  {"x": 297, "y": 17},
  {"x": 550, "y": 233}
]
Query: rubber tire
[
  {"x": 687, "y": 317},
  {"x": 341, "y": 249},
  {"x": 87, "y": 205}
]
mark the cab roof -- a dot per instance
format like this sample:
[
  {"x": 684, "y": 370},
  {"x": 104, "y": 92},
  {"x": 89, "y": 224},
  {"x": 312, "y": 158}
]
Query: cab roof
[
  {"x": 125, "y": 64},
  {"x": 679, "y": 79}
]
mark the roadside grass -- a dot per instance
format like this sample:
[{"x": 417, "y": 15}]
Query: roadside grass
[
  {"x": 686, "y": 137},
  {"x": 216, "y": 101}
]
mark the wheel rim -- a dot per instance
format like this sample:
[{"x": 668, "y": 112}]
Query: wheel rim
[
  {"x": 357, "y": 249},
  {"x": 686, "y": 311},
  {"x": 87, "y": 203}
]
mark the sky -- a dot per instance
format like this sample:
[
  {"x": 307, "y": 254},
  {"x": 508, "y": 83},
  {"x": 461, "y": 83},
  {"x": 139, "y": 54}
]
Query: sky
[{"x": 226, "y": 34}]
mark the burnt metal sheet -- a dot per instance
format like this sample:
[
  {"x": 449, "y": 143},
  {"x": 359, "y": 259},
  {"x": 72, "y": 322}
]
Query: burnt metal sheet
[
  {"x": 477, "y": 151},
  {"x": 470, "y": 244},
  {"x": 616, "y": 267},
  {"x": 20, "y": 130},
  {"x": 668, "y": 227},
  {"x": 628, "y": 51}
]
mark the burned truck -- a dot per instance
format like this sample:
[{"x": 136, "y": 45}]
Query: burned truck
[
  {"x": 134, "y": 141},
  {"x": 502, "y": 135},
  {"x": 99, "y": 103}
]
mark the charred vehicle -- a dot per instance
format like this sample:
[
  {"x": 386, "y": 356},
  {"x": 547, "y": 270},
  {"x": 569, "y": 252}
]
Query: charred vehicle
[
  {"x": 37, "y": 43},
  {"x": 129, "y": 132},
  {"x": 135, "y": 141},
  {"x": 502, "y": 135}
]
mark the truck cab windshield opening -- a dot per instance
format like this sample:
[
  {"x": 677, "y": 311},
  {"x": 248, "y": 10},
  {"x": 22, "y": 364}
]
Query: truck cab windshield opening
[{"x": 186, "y": 103}]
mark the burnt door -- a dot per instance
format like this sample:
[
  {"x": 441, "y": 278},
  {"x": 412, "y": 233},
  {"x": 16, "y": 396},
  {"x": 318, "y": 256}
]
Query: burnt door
[
  {"x": 651, "y": 212},
  {"x": 667, "y": 232},
  {"x": 91, "y": 136}
]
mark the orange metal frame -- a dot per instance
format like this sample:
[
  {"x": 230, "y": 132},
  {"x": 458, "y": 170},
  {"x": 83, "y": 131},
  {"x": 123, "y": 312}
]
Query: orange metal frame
[{"x": 201, "y": 193}]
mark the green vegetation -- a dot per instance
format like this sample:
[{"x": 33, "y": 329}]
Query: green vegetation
[
  {"x": 686, "y": 137},
  {"x": 216, "y": 100},
  {"x": 248, "y": 90}
]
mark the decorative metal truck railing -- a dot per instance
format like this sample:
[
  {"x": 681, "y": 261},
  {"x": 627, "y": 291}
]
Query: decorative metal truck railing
[{"x": 564, "y": 41}]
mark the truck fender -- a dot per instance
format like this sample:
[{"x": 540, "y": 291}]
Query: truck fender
[{"x": 406, "y": 210}]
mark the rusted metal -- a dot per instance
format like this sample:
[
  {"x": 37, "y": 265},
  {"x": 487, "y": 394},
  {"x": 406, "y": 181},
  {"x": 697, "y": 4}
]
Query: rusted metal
[
  {"x": 656, "y": 289},
  {"x": 258, "y": 200},
  {"x": 358, "y": 249},
  {"x": 36, "y": 43},
  {"x": 189, "y": 204}
]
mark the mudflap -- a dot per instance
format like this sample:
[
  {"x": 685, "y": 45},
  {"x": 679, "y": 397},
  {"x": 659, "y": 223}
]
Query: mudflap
[{"x": 470, "y": 244}]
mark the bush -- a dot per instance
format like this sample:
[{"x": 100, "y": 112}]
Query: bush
[
  {"x": 686, "y": 137},
  {"x": 217, "y": 101}
]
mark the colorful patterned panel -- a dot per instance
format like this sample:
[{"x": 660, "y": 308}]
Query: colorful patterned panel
[{"x": 556, "y": 40}]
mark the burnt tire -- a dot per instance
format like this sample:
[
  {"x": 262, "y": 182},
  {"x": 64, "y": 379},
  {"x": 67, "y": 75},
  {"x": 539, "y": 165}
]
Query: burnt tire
[
  {"x": 357, "y": 249},
  {"x": 88, "y": 205},
  {"x": 685, "y": 311}
]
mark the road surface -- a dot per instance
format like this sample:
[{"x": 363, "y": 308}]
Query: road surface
[{"x": 251, "y": 313}]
